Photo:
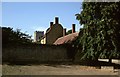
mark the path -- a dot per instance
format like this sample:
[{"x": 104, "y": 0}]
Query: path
[{"x": 55, "y": 70}]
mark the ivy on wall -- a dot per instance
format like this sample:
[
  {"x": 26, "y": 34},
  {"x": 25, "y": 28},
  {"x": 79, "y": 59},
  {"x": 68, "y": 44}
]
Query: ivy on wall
[{"x": 101, "y": 31}]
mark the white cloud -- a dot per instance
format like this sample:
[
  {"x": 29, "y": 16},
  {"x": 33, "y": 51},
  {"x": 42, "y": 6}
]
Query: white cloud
[{"x": 4, "y": 26}]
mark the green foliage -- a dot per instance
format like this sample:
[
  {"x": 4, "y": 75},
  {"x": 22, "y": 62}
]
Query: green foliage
[
  {"x": 13, "y": 37},
  {"x": 101, "y": 31},
  {"x": 69, "y": 31}
]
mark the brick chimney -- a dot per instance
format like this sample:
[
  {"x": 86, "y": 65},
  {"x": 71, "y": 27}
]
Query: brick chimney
[
  {"x": 56, "y": 20},
  {"x": 73, "y": 28},
  {"x": 51, "y": 24},
  {"x": 64, "y": 31}
]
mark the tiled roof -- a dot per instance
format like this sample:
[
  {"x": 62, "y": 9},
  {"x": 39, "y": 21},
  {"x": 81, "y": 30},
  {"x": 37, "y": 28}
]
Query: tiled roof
[{"x": 66, "y": 39}]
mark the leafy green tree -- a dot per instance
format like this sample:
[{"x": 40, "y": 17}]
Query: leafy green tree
[
  {"x": 69, "y": 31},
  {"x": 10, "y": 36},
  {"x": 101, "y": 30}
]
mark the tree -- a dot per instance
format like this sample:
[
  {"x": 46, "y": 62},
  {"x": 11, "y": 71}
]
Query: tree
[
  {"x": 101, "y": 30},
  {"x": 69, "y": 31},
  {"x": 10, "y": 36}
]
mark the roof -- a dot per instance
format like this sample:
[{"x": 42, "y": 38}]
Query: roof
[
  {"x": 49, "y": 29},
  {"x": 66, "y": 39}
]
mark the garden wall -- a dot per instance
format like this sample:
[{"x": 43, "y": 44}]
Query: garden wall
[{"x": 34, "y": 53}]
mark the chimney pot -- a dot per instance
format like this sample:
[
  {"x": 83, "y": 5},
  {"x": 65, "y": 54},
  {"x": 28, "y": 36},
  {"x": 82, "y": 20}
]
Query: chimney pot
[
  {"x": 51, "y": 24},
  {"x": 56, "y": 20},
  {"x": 64, "y": 31},
  {"x": 73, "y": 28}
]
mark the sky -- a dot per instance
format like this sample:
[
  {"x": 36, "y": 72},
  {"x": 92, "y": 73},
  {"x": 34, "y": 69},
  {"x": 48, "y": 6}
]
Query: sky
[{"x": 32, "y": 16}]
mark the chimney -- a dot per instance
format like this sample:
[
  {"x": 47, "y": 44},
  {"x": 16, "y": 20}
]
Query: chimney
[
  {"x": 64, "y": 31},
  {"x": 51, "y": 24},
  {"x": 73, "y": 28},
  {"x": 56, "y": 20}
]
